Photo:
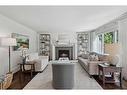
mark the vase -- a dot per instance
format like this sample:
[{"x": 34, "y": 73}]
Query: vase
[
  {"x": 114, "y": 60},
  {"x": 24, "y": 60}
]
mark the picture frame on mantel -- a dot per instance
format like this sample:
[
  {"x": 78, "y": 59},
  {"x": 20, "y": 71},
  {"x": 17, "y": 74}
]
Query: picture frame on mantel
[{"x": 22, "y": 41}]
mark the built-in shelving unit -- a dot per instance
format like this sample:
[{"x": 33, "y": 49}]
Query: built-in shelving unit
[
  {"x": 44, "y": 45},
  {"x": 83, "y": 40}
]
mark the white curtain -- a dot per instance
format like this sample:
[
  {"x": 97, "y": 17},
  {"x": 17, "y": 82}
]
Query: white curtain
[
  {"x": 97, "y": 45},
  {"x": 123, "y": 42}
]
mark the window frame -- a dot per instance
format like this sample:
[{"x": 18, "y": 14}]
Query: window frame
[{"x": 115, "y": 39}]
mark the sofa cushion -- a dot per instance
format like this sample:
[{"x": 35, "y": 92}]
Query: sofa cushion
[
  {"x": 85, "y": 56},
  {"x": 84, "y": 61}
]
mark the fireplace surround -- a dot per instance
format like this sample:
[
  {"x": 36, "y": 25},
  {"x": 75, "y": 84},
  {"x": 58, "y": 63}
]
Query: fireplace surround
[{"x": 64, "y": 52}]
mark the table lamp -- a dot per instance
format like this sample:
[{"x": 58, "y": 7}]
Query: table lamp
[{"x": 114, "y": 51}]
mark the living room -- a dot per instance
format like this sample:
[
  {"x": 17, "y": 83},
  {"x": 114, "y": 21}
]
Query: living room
[{"x": 51, "y": 36}]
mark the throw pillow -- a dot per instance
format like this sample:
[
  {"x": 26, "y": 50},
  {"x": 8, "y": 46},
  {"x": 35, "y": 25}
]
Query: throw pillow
[
  {"x": 96, "y": 58},
  {"x": 93, "y": 57},
  {"x": 85, "y": 56}
]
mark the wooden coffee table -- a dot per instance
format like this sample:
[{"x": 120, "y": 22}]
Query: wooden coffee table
[{"x": 111, "y": 70}]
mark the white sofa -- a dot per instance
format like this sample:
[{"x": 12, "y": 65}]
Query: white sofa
[{"x": 41, "y": 61}]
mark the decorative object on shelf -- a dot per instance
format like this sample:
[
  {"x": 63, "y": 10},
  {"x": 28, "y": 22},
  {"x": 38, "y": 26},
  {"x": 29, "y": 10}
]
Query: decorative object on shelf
[
  {"x": 22, "y": 41},
  {"x": 57, "y": 41},
  {"x": 9, "y": 42},
  {"x": 83, "y": 42},
  {"x": 44, "y": 45}
]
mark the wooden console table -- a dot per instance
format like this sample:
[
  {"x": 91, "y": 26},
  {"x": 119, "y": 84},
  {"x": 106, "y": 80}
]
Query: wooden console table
[
  {"x": 109, "y": 69},
  {"x": 32, "y": 67}
]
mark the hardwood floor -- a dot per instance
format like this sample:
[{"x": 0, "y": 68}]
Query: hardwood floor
[{"x": 20, "y": 80}]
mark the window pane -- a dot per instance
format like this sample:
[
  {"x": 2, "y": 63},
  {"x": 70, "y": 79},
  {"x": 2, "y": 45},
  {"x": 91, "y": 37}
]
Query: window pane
[
  {"x": 117, "y": 36},
  {"x": 108, "y": 38}
]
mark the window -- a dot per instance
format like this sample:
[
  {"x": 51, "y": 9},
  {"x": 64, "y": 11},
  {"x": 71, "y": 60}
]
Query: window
[
  {"x": 106, "y": 38},
  {"x": 111, "y": 37}
]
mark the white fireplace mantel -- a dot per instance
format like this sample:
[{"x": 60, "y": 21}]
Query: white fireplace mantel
[{"x": 64, "y": 45}]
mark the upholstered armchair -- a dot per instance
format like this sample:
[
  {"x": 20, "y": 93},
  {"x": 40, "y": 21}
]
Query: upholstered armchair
[{"x": 40, "y": 61}]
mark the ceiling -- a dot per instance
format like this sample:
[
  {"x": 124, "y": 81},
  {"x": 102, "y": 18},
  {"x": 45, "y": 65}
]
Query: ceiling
[{"x": 62, "y": 18}]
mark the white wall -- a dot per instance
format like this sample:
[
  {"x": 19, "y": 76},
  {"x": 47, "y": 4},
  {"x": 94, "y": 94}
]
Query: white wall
[
  {"x": 93, "y": 42},
  {"x": 8, "y": 26},
  {"x": 123, "y": 42},
  {"x": 54, "y": 36}
]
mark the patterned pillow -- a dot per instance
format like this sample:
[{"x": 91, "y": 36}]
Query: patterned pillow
[{"x": 93, "y": 57}]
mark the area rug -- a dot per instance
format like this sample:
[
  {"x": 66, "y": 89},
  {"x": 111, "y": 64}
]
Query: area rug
[{"x": 44, "y": 80}]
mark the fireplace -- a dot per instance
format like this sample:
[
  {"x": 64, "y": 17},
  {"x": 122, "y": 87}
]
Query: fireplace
[{"x": 64, "y": 52}]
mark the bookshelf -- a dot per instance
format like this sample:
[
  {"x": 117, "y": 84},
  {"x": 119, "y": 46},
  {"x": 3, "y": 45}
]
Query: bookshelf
[{"x": 44, "y": 45}]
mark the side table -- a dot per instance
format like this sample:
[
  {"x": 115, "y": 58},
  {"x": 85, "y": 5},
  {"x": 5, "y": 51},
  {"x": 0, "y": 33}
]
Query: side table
[
  {"x": 32, "y": 67},
  {"x": 109, "y": 69}
]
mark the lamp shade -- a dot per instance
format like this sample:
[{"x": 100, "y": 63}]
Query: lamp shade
[
  {"x": 112, "y": 49},
  {"x": 8, "y": 42}
]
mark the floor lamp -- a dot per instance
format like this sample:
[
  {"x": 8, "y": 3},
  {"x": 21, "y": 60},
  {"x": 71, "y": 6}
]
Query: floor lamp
[{"x": 9, "y": 42}]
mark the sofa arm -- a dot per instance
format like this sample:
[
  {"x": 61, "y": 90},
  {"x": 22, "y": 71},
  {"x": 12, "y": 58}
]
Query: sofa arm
[
  {"x": 44, "y": 61},
  {"x": 41, "y": 63},
  {"x": 93, "y": 67}
]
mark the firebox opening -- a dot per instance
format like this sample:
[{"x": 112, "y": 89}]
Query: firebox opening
[{"x": 64, "y": 53}]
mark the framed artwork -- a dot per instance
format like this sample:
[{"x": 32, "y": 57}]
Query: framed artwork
[{"x": 22, "y": 41}]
